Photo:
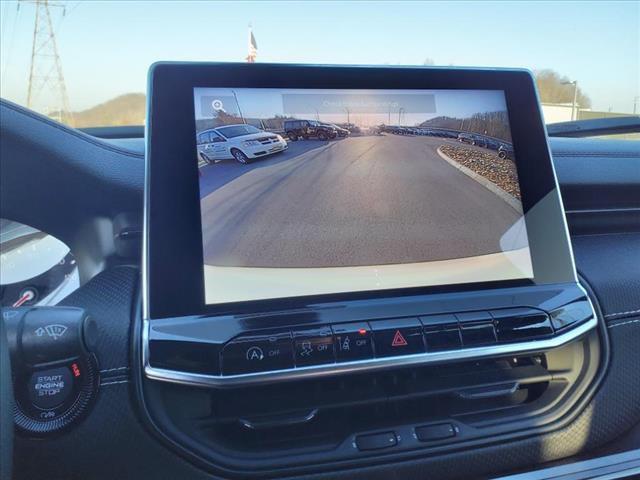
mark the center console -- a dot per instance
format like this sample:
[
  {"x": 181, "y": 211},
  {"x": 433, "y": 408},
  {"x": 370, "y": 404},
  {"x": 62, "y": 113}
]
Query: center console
[
  {"x": 346, "y": 265},
  {"x": 342, "y": 337}
]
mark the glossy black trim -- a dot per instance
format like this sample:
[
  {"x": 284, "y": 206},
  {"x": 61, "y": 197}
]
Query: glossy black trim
[
  {"x": 596, "y": 126},
  {"x": 117, "y": 132},
  {"x": 174, "y": 266},
  {"x": 159, "y": 423},
  {"x": 217, "y": 332}
]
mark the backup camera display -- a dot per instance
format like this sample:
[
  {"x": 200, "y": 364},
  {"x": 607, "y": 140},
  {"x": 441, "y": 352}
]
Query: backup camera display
[{"x": 308, "y": 192}]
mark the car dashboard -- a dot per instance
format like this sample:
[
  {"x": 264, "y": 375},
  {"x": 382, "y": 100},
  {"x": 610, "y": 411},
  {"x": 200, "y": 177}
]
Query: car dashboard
[{"x": 495, "y": 415}]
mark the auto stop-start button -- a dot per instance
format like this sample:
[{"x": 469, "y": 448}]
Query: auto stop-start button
[{"x": 50, "y": 388}]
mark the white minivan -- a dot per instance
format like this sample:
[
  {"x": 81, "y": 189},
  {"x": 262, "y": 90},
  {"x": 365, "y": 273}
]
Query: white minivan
[{"x": 240, "y": 142}]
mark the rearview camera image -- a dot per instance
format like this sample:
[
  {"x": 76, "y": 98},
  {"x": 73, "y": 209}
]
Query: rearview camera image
[{"x": 308, "y": 192}]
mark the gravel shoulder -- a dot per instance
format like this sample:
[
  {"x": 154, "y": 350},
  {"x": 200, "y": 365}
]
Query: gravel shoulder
[{"x": 500, "y": 171}]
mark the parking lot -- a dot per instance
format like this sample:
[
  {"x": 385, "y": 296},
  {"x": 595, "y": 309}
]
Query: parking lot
[{"x": 368, "y": 200}]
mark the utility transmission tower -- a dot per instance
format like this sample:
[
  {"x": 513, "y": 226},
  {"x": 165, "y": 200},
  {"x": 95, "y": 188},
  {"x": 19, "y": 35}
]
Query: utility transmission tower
[{"x": 46, "y": 69}]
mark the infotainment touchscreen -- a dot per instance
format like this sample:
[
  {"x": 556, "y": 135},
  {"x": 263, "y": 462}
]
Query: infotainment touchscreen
[{"x": 313, "y": 191}]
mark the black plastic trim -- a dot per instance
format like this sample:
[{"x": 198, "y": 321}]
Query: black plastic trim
[
  {"x": 598, "y": 126},
  {"x": 176, "y": 440}
]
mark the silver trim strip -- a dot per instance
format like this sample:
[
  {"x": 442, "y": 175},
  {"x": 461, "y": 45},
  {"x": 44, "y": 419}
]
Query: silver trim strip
[
  {"x": 146, "y": 196},
  {"x": 357, "y": 366}
]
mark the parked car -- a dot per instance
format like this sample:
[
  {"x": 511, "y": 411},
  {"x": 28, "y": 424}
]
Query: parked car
[
  {"x": 466, "y": 138},
  {"x": 505, "y": 150},
  {"x": 448, "y": 134},
  {"x": 342, "y": 132},
  {"x": 353, "y": 128},
  {"x": 295, "y": 129},
  {"x": 240, "y": 142},
  {"x": 492, "y": 143},
  {"x": 471, "y": 139},
  {"x": 480, "y": 141}
]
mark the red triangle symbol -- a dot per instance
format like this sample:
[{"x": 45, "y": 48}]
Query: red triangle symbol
[{"x": 398, "y": 340}]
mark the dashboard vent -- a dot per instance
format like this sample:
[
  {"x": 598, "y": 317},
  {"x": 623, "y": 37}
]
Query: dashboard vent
[{"x": 321, "y": 413}]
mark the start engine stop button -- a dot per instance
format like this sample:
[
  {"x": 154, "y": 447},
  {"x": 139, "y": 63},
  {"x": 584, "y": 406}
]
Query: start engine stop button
[{"x": 50, "y": 388}]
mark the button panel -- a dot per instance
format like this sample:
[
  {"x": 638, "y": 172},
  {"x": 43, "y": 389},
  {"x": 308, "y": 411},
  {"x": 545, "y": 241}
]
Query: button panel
[
  {"x": 376, "y": 441},
  {"x": 431, "y": 433},
  {"x": 353, "y": 341},
  {"x": 442, "y": 340},
  {"x": 313, "y": 346},
  {"x": 402, "y": 336},
  {"x": 284, "y": 349},
  {"x": 518, "y": 324},
  {"x": 259, "y": 352},
  {"x": 571, "y": 314},
  {"x": 476, "y": 329},
  {"x": 478, "y": 334},
  {"x": 441, "y": 332}
]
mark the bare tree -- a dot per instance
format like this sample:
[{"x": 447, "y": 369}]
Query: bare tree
[
  {"x": 492, "y": 124},
  {"x": 555, "y": 88}
]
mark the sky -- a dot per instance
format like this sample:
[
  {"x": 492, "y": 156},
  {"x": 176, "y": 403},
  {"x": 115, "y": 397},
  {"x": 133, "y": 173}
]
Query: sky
[
  {"x": 107, "y": 47},
  {"x": 363, "y": 107}
]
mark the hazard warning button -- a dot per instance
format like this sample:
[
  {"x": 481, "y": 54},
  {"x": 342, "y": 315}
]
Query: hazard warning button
[{"x": 402, "y": 336}]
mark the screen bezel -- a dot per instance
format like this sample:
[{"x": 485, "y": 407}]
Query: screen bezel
[{"x": 173, "y": 235}]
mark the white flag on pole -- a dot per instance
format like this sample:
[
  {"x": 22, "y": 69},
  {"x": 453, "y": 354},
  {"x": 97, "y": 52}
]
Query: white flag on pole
[{"x": 253, "y": 47}]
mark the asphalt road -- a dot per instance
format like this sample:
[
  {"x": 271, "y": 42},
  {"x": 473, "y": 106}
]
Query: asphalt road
[{"x": 356, "y": 201}]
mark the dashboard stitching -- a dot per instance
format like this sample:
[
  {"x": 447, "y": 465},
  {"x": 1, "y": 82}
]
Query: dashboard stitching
[
  {"x": 624, "y": 323},
  {"x": 621, "y": 313},
  {"x": 114, "y": 383},
  {"x": 113, "y": 369}
]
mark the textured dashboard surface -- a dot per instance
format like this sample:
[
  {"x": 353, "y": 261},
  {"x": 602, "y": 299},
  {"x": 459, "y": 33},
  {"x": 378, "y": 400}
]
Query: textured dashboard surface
[
  {"x": 614, "y": 272},
  {"x": 87, "y": 178},
  {"x": 110, "y": 300},
  {"x": 597, "y": 174}
]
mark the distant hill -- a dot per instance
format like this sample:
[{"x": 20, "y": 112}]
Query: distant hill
[
  {"x": 127, "y": 109},
  {"x": 443, "y": 122}
]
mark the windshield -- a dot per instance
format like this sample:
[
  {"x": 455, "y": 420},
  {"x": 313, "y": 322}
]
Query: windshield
[
  {"x": 66, "y": 59},
  {"x": 237, "y": 130}
]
